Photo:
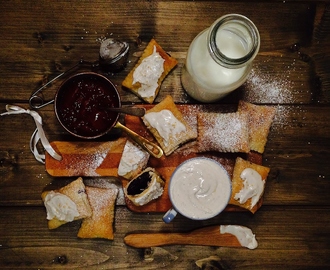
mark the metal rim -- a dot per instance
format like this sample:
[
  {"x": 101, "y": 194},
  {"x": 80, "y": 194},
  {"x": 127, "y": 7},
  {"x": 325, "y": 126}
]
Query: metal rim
[
  {"x": 221, "y": 58},
  {"x": 58, "y": 94}
]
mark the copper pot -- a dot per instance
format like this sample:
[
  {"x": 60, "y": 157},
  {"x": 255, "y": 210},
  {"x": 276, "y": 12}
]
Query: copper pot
[{"x": 80, "y": 106}]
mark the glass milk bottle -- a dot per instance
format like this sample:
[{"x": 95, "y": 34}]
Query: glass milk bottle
[{"x": 219, "y": 59}]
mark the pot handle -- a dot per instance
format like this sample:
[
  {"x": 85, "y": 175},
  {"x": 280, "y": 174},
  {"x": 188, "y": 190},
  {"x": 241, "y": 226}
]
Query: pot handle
[{"x": 152, "y": 148}]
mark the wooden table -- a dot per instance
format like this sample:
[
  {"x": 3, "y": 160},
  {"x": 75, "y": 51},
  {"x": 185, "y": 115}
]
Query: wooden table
[{"x": 292, "y": 72}]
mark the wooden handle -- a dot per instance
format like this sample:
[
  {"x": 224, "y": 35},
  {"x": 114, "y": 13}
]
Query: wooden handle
[
  {"x": 144, "y": 240},
  {"x": 207, "y": 236}
]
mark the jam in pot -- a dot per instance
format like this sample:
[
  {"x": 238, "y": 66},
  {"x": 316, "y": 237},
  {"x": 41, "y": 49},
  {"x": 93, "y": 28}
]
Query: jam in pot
[{"x": 81, "y": 102}]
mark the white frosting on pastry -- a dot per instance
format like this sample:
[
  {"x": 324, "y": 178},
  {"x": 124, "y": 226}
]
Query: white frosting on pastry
[
  {"x": 165, "y": 123},
  {"x": 132, "y": 158},
  {"x": 253, "y": 187},
  {"x": 60, "y": 206},
  {"x": 148, "y": 73}
]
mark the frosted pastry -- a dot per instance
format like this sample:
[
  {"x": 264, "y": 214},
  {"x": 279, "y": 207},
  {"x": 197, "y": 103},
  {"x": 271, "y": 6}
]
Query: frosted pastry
[
  {"x": 260, "y": 118},
  {"x": 168, "y": 125},
  {"x": 133, "y": 160},
  {"x": 223, "y": 132},
  {"x": 66, "y": 204},
  {"x": 146, "y": 187},
  {"x": 248, "y": 183},
  {"x": 100, "y": 223},
  {"x": 146, "y": 77}
]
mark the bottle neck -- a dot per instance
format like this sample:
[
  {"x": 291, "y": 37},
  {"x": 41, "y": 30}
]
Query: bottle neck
[{"x": 233, "y": 41}]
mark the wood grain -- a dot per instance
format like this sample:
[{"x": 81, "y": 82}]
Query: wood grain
[
  {"x": 42, "y": 39},
  {"x": 207, "y": 236}
]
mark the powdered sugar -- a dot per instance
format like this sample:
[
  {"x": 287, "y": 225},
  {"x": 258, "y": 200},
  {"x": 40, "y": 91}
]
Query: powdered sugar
[
  {"x": 267, "y": 88},
  {"x": 227, "y": 132},
  {"x": 272, "y": 85},
  {"x": 101, "y": 199},
  {"x": 87, "y": 164}
]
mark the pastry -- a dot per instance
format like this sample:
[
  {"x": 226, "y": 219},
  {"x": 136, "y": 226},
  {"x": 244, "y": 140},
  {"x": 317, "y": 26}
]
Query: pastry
[
  {"x": 144, "y": 188},
  {"x": 100, "y": 223},
  {"x": 223, "y": 132},
  {"x": 248, "y": 183},
  {"x": 260, "y": 118},
  {"x": 146, "y": 77},
  {"x": 66, "y": 204},
  {"x": 168, "y": 126},
  {"x": 133, "y": 160}
]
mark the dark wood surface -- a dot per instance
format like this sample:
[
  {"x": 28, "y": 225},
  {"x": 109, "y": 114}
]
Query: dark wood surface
[{"x": 292, "y": 72}]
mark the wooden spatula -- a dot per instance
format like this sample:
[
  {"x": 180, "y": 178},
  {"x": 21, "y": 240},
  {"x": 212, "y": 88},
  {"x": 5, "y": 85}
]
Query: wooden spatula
[{"x": 207, "y": 236}]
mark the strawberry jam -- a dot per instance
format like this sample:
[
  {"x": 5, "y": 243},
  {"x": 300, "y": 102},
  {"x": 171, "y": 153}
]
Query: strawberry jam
[{"x": 81, "y": 103}]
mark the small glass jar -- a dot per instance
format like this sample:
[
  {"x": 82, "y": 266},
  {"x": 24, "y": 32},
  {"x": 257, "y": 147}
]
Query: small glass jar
[{"x": 219, "y": 59}]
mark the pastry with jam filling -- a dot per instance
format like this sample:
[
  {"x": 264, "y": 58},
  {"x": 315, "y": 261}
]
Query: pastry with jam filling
[{"x": 144, "y": 188}]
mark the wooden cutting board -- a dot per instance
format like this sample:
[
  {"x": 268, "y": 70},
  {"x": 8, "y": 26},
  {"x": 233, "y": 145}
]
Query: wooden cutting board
[
  {"x": 88, "y": 158},
  {"x": 85, "y": 158}
]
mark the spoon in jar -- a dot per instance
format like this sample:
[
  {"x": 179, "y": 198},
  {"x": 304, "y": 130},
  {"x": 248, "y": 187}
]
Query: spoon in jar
[{"x": 136, "y": 111}]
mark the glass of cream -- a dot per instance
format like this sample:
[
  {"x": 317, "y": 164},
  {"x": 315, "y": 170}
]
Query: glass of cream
[{"x": 199, "y": 189}]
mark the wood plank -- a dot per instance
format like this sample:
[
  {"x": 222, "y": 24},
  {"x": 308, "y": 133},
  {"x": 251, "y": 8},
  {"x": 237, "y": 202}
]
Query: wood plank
[
  {"x": 287, "y": 239},
  {"x": 54, "y": 46},
  {"x": 297, "y": 148}
]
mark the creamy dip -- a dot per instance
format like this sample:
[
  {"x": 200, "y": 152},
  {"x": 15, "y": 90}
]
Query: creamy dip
[
  {"x": 200, "y": 188},
  {"x": 244, "y": 235},
  {"x": 167, "y": 125},
  {"x": 60, "y": 206},
  {"x": 252, "y": 189},
  {"x": 148, "y": 73}
]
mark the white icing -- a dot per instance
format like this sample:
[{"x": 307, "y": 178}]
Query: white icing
[
  {"x": 167, "y": 125},
  {"x": 253, "y": 187},
  {"x": 200, "y": 188},
  {"x": 244, "y": 235},
  {"x": 132, "y": 156},
  {"x": 148, "y": 73},
  {"x": 60, "y": 206}
]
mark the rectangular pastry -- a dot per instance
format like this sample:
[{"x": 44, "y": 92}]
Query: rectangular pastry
[
  {"x": 145, "y": 79},
  {"x": 168, "y": 125},
  {"x": 260, "y": 118},
  {"x": 100, "y": 223},
  {"x": 66, "y": 204},
  {"x": 248, "y": 183},
  {"x": 223, "y": 132}
]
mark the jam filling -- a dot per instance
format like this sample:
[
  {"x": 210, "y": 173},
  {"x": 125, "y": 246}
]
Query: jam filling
[
  {"x": 82, "y": 103},
  {"x": 139, "y": 184}
]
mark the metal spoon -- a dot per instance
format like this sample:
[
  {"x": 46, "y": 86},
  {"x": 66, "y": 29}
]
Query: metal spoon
[{"x": 136, "y": 111}]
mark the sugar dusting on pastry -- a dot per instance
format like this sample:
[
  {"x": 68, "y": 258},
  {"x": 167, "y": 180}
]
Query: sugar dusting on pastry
[{"x": 224, "y": 132}]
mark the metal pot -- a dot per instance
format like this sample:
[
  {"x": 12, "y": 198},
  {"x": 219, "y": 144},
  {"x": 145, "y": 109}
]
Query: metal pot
[{"x": 80, "y": 106}]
